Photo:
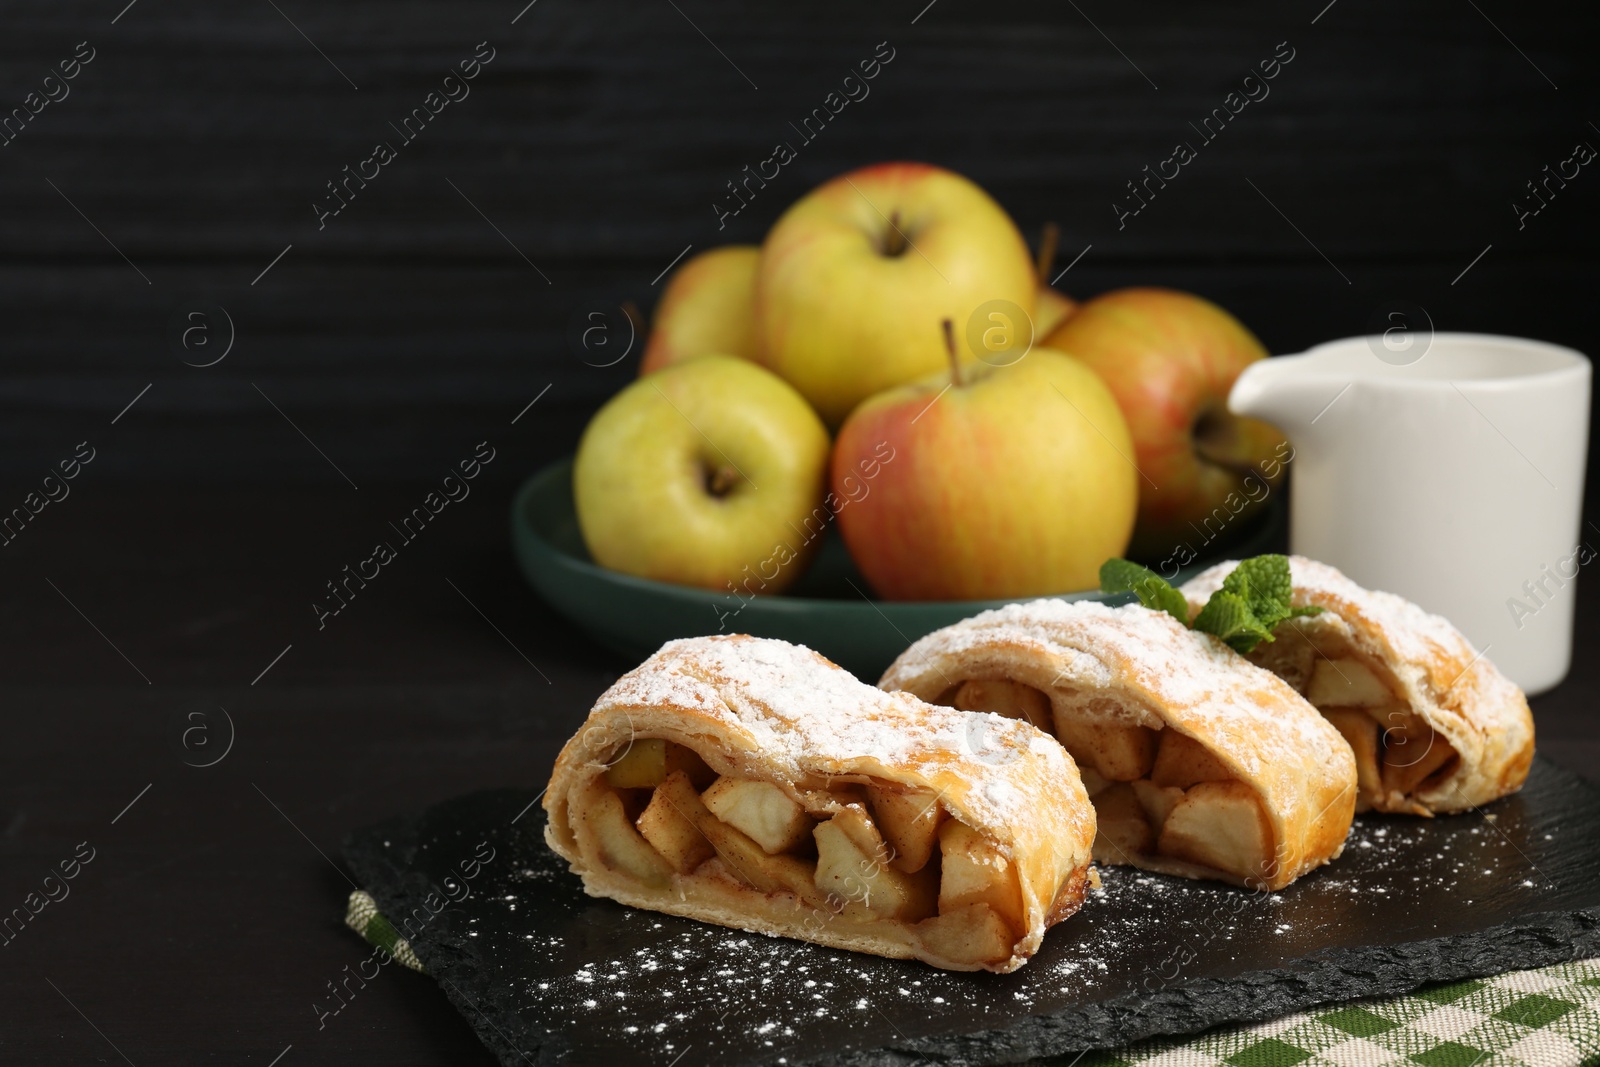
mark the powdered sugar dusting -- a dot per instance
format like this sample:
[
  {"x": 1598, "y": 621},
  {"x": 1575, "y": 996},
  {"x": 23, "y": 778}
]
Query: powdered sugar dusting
[
  {"x": 1099, "y": 647},
  {"x": 802, "y": 713}
]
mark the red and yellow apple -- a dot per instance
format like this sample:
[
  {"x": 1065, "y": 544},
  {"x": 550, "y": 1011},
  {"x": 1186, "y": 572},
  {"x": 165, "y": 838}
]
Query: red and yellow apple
[
  {"x": 1170, "y": 359},
  {"x": 701, "y": 474},
  {"x": 1009, "y": 481},
  {"x": 708, "y": 306},
  {"x": 855, "y": 277}
]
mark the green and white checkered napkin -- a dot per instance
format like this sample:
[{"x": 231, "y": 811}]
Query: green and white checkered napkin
[
  {"x": 361, "y": 915},
  {"x": 1548, "y": 1017}
]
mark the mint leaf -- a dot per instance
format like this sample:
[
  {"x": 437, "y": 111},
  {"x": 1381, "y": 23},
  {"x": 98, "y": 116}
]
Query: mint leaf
[
  {"x": 1265, "y": 585},
  {"x": 1121, "y": 575},
  {"x": 1153, "y": 591},
  {"x": 1253, "y": 600},
  {"x": 1230, "y": 616}
]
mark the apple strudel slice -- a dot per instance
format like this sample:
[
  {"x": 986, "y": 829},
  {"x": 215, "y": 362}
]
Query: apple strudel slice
[
  {"x": 754, "y": 784},
  {"x": 1434, "y": 726},
  {"x": 1198, "y": 763}
]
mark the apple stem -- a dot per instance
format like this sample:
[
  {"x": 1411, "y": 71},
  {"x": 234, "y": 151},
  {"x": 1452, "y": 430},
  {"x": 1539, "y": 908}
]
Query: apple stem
[
  {"x": 1048, "y": 239},
  {"x": 894, "y": 242},
  {"x": 722, "y": 480},
  {"x": 956, "y": 378}
]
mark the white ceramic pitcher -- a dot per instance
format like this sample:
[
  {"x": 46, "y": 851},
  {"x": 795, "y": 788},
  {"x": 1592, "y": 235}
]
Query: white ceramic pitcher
[{"x": 1453, "y": 477}]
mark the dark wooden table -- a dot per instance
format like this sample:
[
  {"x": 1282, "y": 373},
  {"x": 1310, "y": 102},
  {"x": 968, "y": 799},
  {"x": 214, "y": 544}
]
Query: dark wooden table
[
  {"x": 168, "y": 601},
  {"x": 208, "y": 921}
]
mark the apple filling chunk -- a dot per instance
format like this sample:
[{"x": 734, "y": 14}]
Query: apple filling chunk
[
  {"x": 1182, "y": 761},
  {"x": 619, "y": 846},
  {"x": 1156, "y": 792},
  {"x": 1401, "y": 778},
  {"x": 647, "y": 761},
  {"x": 974, "y": 871},
  {"x": 1346, "y": 683},
  {"x": 740, "y": 854},
  {"x": 1161, "y": 793},
  {"x": 1115, "y": 751},
  {"x": 760, "y": 809},
  {"x": 909, "y": 821},
  {"x": 671, "y": 832},
  {"x": 1412, "y": 751},
  {"x": 1396, "y": 751},
  {"x": 1122, "y": 829},
  {"x": 752, "y": 864},
  {"x": 1013, "y": 700},
  {"x": 973, "y": 932},
  {"x": 852, "y": 865},
  {"x": 1217, "y": 824},
  {"x": 864, "y": 850},
  {"x": 1220, "y": 825},
  {"x": 1157, "y": 801},
  {"x": 1361, "y": 732}
]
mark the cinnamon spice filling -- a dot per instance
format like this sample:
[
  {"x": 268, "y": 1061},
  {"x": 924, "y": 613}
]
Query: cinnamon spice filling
[
  {"x": 1162, "y": 800},
  {"x": 659, "y": 814},
  {"x": 1397, "y": 752}
]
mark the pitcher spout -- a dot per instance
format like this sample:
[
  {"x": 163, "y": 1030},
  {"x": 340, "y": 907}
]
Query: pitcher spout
[{"x": 1291, "y": 392}]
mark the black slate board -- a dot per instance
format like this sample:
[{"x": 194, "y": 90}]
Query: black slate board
[{"x": 546, "y": 974}]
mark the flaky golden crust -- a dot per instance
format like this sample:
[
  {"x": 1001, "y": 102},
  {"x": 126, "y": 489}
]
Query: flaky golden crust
[
  {"x": 780, "y": 713},
  {"x": 1457, "y": 691},
  {"x": 1267, "y": 735}
]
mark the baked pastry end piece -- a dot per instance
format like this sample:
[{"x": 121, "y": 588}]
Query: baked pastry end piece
[
  {"x": 755, "y": 784},
  {"x": 1433, "y": 725}
]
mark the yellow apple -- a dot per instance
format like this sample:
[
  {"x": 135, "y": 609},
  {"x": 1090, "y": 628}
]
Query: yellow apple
[
  {"x": 1051, "y": 308},
  {"x": 1011, "y": 481},
  {"x": 709, "y": 306},
  {"x": 856, "y": 275},
  {"x": 701, "y": 474}
]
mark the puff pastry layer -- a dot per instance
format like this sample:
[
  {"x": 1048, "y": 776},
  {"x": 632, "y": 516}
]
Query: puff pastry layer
[
  {"x": 1434, "y": 726},
  {"x": 1199, "y": 763},
  {"x": 755, "y": 784}
]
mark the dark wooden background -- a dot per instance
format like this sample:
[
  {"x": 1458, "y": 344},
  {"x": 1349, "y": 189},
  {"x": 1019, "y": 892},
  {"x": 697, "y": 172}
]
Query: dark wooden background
[
  {"x": 602, "y": 132},
  {"x": 410, "y": 328}
]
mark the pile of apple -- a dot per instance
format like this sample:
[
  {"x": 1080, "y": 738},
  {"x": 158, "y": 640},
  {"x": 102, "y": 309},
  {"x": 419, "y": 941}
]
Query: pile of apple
[{"x": 992, "y": 438}]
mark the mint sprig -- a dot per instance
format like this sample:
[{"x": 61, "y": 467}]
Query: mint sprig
[
  {"x": 1232, "y": 618},
  {"x": 1153, "y": 591},
  {"x": 1253, "y": 600}
]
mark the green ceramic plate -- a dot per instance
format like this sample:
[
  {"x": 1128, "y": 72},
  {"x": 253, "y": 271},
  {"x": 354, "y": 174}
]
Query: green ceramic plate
[{"x": 829, "y": 610}]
